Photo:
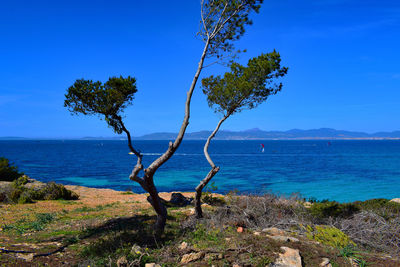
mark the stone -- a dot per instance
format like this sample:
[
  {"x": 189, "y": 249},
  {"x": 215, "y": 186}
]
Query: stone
[
  {"x": 282, "y": 238},
  {"x": 192, "y": 257},
  {"x": 183, "y": 246},
  {"x": 325, "y": 263},
  {"x": 397, "y": 200},
  {"x": 152, "y": 265},
  {"x": 290, "y": 258},
  {"x": 26, "y": 257},
  {"x": 236, "y": 265},
  {"x": 274, "y": 231},
  {"x": 257, "y": 233},
  {"x": 307, "y": 204},
  {"x": 177, "y": 199},
  {"x": 122, "y": 262},
  {"x": 239, "y": 229}
]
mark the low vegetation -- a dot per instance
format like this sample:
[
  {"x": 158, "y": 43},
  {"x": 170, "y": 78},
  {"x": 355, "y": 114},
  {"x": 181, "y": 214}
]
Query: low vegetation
[
  {"x": 19, "y": 188},
  {"x": 235, "y": 230},
  {"x": 8, "y": 172}
]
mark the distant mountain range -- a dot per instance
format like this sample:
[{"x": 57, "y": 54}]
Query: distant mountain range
[
  {"x": 253, "y": 134},
  {"x": 257, "y": 134}
]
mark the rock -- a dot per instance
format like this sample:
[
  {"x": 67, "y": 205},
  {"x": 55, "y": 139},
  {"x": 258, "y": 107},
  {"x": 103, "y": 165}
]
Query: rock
[
  {"x": 152, "y": 265},
  {"x": 307, "y": 204},
  {"x": 290, "y": 258},
  {"x": 236, "y": 265},
  {"x": 205, "y": 205},
  {"x": 136, "y": 249},
  {"x": 192, "y": 257},
  {"x": 283, "y": 238},
  {"x": 325, "y": 263},
  {"x": 183, "y": 246},
  {"x": 397, "y": 200},
  {"x": 239, "y": 229},
  {"x": 256, "y": 233},
  {"x": 26, "y": 257},
  {"x": 177, "y": 199},
  {"x": 274, "y": 231},
  {"x": 122, "y": 262},
  {"x": 34, "y": 184}
]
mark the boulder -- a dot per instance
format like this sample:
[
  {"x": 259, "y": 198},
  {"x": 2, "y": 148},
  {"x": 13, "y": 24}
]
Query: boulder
[
  {"x": 290, "y": 258},
  {"x": 192, "y": 257},
  {"x": 397, "y": 200},
  {"x": 325, "y": 263},
  {"x": 283, "y": 238},
  {"x": 177, "y": 199},
  {"x": 274, "y": 231}
]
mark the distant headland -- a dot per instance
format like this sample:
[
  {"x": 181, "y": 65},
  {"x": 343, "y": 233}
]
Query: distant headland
[{"x": 253, "y": 134}]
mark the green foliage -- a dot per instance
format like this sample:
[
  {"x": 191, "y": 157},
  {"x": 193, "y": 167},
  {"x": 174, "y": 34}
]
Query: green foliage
[
  {"x": 22, "y": 226},
  {"x": 17, "y": 193},
  {"x": 53, "y": 191},
  {"x": 209, "y": 198},
  {"x": 224, "y": 21},
  {"x": 328, "y": 235},
  {"x": 8, "y": 172},
  {"x": 333, "y": 209},
  {"x": 20, "y": 181},
  {"x": 349, "y": 252},
  {"x": 107, "y": 100},
  {"x": 245, "y": 86},
  {"x": 204, "y": 237}
]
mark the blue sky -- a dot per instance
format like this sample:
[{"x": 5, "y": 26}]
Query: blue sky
[{"x": 343, "y": 57}]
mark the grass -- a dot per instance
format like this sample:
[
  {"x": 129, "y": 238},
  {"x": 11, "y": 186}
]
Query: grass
[
  {"x": 98, "y": 235},
  {"x": 23, "y": 226}
]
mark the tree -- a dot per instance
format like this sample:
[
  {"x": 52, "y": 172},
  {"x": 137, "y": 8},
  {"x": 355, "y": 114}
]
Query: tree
[
  {"x": 244, "y": 87},
  {"x": 222, "y": 22}
]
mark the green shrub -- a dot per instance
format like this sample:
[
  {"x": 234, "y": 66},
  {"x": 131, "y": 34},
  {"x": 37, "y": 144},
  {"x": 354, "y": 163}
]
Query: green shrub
[
  {"x": 23, "y": 180},
  {"x": 17, "y": 193},
  {"x": 53, "y": 191},
  {"x": 333, "y": 209},
  {"x": 377, "y": 204},
  {"x": 328, "y": 235},
  {"x": 7, "y": 171}
]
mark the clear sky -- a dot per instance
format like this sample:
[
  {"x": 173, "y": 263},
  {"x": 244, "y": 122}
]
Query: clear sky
[{"x": 343, "y": 57}]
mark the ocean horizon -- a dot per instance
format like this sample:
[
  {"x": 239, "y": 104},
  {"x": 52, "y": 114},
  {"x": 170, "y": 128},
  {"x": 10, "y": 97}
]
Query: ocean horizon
[{"x": 341, "y": 170}]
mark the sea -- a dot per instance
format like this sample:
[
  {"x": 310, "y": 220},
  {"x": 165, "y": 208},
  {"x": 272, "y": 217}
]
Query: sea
[{"x": 340, "y": 170}]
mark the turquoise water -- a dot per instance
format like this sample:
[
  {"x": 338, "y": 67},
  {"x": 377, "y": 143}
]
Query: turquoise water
[{"x": 343, "y": 171}]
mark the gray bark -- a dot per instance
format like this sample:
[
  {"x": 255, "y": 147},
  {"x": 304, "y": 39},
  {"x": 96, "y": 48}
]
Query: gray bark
[
  {"x": 214, "y": 170},
  {"x": 147, "y": 181}
]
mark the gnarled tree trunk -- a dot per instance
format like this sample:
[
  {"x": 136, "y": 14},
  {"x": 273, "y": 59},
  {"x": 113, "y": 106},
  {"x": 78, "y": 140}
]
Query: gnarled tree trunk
[
  {"x": 147, "y": 181},
  {"x": 214, "y": 170}
]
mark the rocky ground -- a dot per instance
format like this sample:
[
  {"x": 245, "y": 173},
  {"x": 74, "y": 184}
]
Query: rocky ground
[{"x": 112, "y": 228}]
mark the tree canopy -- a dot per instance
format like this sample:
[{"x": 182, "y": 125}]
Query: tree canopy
[
  {"x": 223, "y": 21},
  {"x": 107, "y": 100},
  {"x": 244, "y": 86}
]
